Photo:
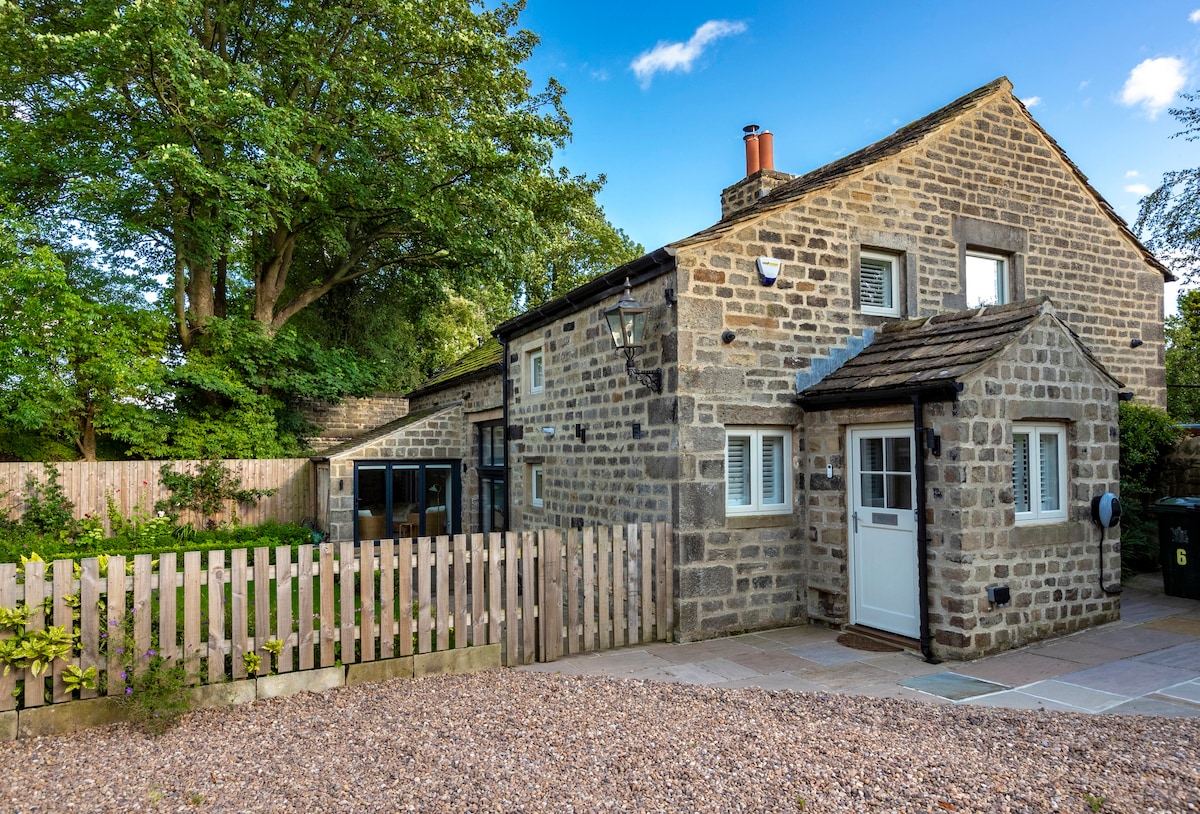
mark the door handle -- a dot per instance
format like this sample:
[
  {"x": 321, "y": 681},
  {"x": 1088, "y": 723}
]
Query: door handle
[{"x": 854, "y": 516}]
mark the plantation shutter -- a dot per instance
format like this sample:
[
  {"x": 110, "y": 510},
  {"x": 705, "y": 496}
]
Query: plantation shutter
[
  {"x": 875, "y": 282},
  {"x": 1048, "y": 471},
  {"x": 772, "y": 470},
  {"x": 737, "y": 470},
  {"x": 1021, "y": 471}
]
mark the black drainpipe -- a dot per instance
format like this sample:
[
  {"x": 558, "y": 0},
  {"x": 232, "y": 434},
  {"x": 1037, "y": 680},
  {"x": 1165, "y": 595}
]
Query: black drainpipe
[
  {"x": 922, "y": 531},
  {"x": 505, "y": 389}
]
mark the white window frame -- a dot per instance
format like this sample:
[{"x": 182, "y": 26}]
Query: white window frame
[
  {"x": 1035, "y": 433},
  {"x": 1003, "y": 274},
  {"x": 537, "y": 485},
  {"x": 891, "y": 282},
  {"x": 535, "y": 367},
  {"x": 760, "y": 497}
]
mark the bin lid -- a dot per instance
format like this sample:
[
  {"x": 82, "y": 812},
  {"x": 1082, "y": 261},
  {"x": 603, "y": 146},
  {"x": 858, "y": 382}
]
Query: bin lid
[{"x": 1178, "y": 503}]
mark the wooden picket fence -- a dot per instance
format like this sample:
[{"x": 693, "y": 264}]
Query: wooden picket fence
[{"x": 538, "y": 594}]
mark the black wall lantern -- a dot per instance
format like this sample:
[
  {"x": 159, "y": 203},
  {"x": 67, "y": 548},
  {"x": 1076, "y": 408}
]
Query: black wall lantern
[{"x": 627, "y": 324}]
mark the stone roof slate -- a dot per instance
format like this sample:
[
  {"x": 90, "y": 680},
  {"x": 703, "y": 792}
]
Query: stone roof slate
[
  {"x": 486, "y": 359},
  {"x": 942, "y": 349}
]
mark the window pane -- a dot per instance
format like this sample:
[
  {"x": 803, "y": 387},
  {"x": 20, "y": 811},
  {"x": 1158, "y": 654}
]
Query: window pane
[
  {"x": 535, "y": 370},
  {"x": 899, "y": 491},
  {"x": 899, "y": 455},
  {"x": 737, "y": 471},
  {"x": 772, "y": 470},
  {"x": 1021, "y": 471},
  {"x": 872, "y": 490},
  {"x": 870, "y": 454},
  {"x": 986, "y": 284},
  {"x": 1048, "y": 471},
  {"x": 875, "y": 282}
]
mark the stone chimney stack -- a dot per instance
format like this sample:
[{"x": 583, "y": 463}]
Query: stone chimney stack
[{"x": 761, "y": 175}]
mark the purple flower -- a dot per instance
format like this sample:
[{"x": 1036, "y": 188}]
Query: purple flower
[
  {"x": 129, "y": 690},
  {"x": 124, "y": 674},
  {"x": 149, "y": 652}
]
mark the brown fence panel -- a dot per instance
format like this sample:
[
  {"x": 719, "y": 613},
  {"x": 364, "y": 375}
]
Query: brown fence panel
[{"x": 134, "y": 488}]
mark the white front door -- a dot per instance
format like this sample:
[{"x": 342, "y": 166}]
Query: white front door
[{"x": 883, "y": 530}]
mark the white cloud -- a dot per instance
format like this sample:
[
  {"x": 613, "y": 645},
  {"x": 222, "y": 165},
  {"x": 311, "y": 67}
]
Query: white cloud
[
  {"x": 1194, "y": 17},
  {"x": 679, "y": 56},
  {"x": 1132, "y": 174},
  {"x": 1154, "y": 83},
  {"x": 1032, "y": 101},
  {"x": 1138, "y": 189}
]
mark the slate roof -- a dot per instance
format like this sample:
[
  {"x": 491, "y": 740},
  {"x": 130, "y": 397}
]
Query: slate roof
[
  {"x": 905, "y": 137},
  {"x": 482, "y": 361},
  {"x": 908, "y": 356}
]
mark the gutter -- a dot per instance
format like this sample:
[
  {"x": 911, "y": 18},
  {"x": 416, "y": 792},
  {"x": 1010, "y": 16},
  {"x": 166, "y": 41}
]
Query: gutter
[{"x": 647, "y": 267}]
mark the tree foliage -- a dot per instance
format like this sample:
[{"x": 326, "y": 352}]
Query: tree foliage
[
  {"x": 1169, "y": 220},
  {"x": 79, "y": 351},
  {"x": 1183, "y": 359},
  {"x": 326, "y": 196}
]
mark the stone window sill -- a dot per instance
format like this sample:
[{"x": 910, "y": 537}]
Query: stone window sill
[{"x": 759, "y": 521}]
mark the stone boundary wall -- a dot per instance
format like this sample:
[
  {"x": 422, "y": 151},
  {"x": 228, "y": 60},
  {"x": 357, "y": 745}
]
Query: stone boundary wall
[
  {"x": 352, "y": 416},
  {"x": 60, "y": 719},
  {"x": 1181, "y": 470}
]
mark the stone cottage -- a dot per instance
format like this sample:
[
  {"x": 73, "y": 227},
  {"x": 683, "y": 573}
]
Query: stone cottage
[{"x": 880, "y": 394}]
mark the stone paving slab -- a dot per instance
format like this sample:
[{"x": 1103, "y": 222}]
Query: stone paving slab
[
  {"x": 1079, "y": 650},
  {"x": 829, "y": 653},
  {"x": 1151, "y": 706},
  {"x": 777, "y": 681},
  {"x": 1017, "y": 668},
  {"x": 848, "y": 677},
  {"x": 1138, "y": 640},
  {"x": 1188, "y": 691},
  {"x": 952, "y": 686},
  {"x": 1082, "y": 699},
  {"x": 1015, "y": 699},
  {"x": 728, "y": 669},
  {"x": 1176, "y": 624},
  {"x": 1128, "y": 677},
  {"x": 774, "y": 661},
  {"x": 1181, "y": 656},
  {"x": 904, "y": 664}
]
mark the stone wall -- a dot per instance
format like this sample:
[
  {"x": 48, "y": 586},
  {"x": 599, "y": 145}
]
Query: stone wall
[
  {"x": 432, "y": 438},
  {"x": 988, "y": 180},
  {"x": 352, "y": 417},
  {"x": 621, "y": 465},
  {"x": 1051, "y": 569},
  {"x": 1054, "y": 570},
  {"x": 1181, "y": 470}
]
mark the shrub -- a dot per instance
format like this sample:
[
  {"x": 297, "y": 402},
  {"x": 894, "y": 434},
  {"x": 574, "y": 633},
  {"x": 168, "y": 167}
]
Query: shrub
[
  {"x": 48, "y": 510},
  {"x": 1147, "y": 437}
]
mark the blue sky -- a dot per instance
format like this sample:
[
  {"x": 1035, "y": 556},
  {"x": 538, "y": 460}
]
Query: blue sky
[{"x": 658, "y": 92}]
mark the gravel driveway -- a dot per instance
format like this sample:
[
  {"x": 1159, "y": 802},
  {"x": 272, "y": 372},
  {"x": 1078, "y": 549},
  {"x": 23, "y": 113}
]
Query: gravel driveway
[{"x": 507, "y": 741}]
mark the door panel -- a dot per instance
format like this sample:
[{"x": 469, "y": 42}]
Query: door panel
[{"x": 883, "y": 539}]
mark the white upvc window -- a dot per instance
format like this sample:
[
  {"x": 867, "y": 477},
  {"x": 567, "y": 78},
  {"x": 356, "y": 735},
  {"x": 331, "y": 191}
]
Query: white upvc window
[
  {"x": 986, "y": 278},
  {"x": 534, "y": 367},
  {"x": 1040, "y": 472},
  {"x": 757, "y": 470},
  {"x": 536, "y": 485},
  {"x": 878, "y": 282}
]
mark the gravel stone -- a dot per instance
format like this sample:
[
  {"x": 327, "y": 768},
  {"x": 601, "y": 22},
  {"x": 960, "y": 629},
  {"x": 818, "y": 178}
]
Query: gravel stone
[{"x": 510, "y": 741}]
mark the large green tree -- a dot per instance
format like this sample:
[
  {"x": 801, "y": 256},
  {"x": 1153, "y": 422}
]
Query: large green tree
[
  {"x": 223, "y": 140},
  {"x": 255, "y": 159},
  {"x": 80, "y": 351},
  {"x": 1169, "y": 220},
  {"x": 1183, "y": 359}
]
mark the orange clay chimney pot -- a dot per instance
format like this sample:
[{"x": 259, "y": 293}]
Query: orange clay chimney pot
[
  {"x": 753, "y": 164},
  {"x": 766, "y": 150}
]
